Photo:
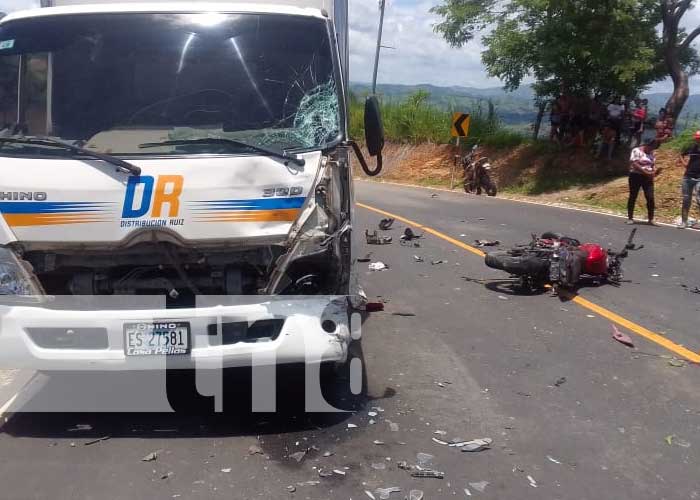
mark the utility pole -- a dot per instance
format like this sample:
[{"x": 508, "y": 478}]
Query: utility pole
[{"x": 379, "y": 45}]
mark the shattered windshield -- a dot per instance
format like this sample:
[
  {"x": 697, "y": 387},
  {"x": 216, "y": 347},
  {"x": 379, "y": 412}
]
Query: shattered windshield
[{"x": 112, "y": 82}]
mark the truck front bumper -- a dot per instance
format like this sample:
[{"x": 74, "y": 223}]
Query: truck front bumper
[{"x": 309, "y": 329}]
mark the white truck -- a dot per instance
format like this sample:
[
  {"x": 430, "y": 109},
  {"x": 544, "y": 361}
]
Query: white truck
[{"x": 175, "y": 182}]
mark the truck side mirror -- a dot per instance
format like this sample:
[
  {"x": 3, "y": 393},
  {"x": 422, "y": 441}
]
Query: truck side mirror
[{"x": 374, "y": 128}]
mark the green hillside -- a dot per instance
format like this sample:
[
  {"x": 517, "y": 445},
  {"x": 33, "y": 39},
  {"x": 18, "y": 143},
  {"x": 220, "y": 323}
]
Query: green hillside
[{"x": 515, "y": 109}]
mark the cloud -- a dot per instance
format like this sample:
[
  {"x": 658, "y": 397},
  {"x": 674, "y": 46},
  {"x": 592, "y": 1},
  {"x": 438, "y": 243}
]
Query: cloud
[{"x": 420, "y": 55}]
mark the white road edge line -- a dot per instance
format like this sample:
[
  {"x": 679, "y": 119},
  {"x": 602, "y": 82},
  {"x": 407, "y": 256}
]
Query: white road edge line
[{"x": 517, "y": 200}]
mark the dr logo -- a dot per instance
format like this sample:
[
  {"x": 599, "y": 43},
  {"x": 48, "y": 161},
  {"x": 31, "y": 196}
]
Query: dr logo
[{"x": 140, "y": 196}]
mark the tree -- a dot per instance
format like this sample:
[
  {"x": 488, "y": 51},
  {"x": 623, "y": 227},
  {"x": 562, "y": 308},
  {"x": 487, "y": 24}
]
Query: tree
[
  {"x": 680, "y": 58},
  {"x": 580, "y": 47}
]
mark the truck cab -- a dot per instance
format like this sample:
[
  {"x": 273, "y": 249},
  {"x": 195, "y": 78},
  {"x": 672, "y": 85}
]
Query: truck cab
[{"x": 175, "y": 182}]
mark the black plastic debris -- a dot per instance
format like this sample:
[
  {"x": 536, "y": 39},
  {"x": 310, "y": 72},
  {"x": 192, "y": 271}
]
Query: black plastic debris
[
  {"x": 385, "y": 224},
  {"x": 409, "y": 235},
  {"x": 366, "y": 258},
  {"x": 94, "y": 441},
  {"x": 560, "y": 381},
  {"x": 487, "y": 243},
  {"x": 374, "y": 239},
  {"x": 428, "y": 473}
]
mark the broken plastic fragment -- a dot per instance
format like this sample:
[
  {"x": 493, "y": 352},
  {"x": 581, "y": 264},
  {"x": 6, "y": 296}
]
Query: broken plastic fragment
[
  {"x": 533, "y": 483},
  {"x": 150, "y": 457},
  {"x": 415, "y": 495},
  {"x": 298, "y": 456},
  {"x": 385, "y": 224},
  {"x": 103, "y": 438},
  {"x": 254, "y": 450},
  {"x": 439, "y": 441},
  {"x": 291, "y": 488},
  {"x": 378, "y": 266},
  {"x": 226, "y": 470},
  {"x": 378, "y": 466},
  {"x": 479, "y": 486},
  {"x": 428, "y": 473},
  {"x": 369, "y": 494},
  {"x": 487, "y": 243},
  {"x": 352, "y": 426},
  {"x": 374, "y": 239},
  {"x": 621, "y": 337},
  {"x": 385, "y": 493},
  {"x": 477, "y": 444},
  {"x": 560, "y": 381},
  {"x": 393, "y": 427},
  {"x": 378, "y": 442},
  {"x": 553, "y": 460},
  {"x": 424, "y": 459}
]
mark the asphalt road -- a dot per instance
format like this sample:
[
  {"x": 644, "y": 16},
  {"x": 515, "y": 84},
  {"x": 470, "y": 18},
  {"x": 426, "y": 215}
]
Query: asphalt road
[{"x": 572, "y": 413}]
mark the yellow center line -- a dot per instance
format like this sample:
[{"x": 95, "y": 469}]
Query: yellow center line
[{"x": 587, "y": 304}]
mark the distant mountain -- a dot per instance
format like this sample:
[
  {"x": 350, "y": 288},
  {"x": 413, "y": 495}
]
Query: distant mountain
[{"x": 514, "y": 108}]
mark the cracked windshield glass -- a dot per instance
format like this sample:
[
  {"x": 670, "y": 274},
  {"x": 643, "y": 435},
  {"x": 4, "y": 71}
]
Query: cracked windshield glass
[{"x": 120, "y": 81}]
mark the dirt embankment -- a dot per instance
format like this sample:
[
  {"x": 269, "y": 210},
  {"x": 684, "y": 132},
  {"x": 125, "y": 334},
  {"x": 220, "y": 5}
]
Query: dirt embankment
[{"x": 541, "y": 173}]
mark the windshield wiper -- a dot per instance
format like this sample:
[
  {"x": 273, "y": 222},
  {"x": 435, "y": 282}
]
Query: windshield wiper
[
  {"x": 227, "y": 142},
  {"x": 48, "y": 141}
]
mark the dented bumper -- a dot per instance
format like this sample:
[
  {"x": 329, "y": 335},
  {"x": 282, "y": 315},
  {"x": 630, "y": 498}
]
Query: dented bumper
[{"x": 310, "y": 329}]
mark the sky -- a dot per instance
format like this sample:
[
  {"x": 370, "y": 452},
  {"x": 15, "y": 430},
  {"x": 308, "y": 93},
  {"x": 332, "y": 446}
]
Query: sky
[{"x": 419, "y": 55}]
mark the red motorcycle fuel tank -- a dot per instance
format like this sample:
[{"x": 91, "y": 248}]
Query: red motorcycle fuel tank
[{"x": 596, "y": 259}]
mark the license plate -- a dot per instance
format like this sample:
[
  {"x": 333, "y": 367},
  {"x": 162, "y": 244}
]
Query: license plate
[{"x": 156, "y": 338}]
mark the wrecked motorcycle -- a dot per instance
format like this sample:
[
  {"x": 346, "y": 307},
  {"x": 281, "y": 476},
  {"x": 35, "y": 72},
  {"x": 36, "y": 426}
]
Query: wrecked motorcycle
[
  {"x": 476, "y": 173},
  {"x": 560, "y": 261}
]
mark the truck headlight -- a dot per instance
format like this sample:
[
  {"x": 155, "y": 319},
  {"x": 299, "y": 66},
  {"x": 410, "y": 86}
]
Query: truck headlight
[{"x": 16, "y": 278}]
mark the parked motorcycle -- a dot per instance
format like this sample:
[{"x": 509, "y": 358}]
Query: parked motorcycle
[
  {"x": 476, "y": 173},
  {"x": 560, "y": 261}
]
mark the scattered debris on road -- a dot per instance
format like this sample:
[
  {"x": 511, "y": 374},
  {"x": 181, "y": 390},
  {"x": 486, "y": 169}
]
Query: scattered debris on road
[
  {"x": 428, "y": 473},
  {"x": 560, "y": 381},
  {"x": 378, "y": 266},
  {"x": 424, "y": 459},
  {"x": 474, "y": 445},
  {"x": 254, "y": 450},
  {"x": 374, "y": 239},
  {"x": 533, "y": 483},
  {"x": 621, "y": 337},
  {"x": 673, "y": 439},
  {"x": 479, "y": 486},
  {"x": 167, "y": 475},
  {"x": 151, "y": 457},
  {"x": 378, "y": 466},
  {"x": 298, "y": 456},
  {"x": 403, "y": 313},
  {"x": 386, "y": 224},
  {"x": 366, "y": 258},
  {"x": 418, "y": 258},
  {"x": 439, "y": 261},
  {"x": 487, "y": 243},
  {"x": 226, "y": 470},
  {"x": 415, "y": 495},
  {"x": 385, "y": 493},
  {"x": 94, "y": 441},
  {"x": 553, "y": 460},
  {"x": 677, "y": 363},
  {"x": 291, "y": 488},
  {"x": 409, "y": 235}
]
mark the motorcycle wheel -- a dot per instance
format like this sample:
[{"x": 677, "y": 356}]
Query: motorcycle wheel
[{"x": 490, "y": 188}]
